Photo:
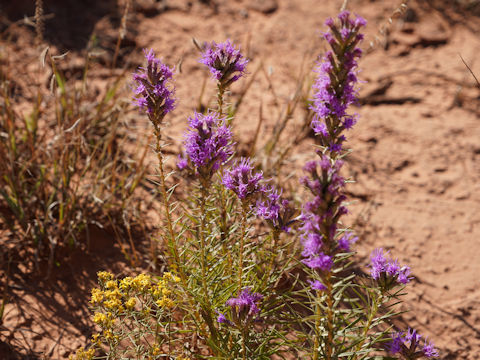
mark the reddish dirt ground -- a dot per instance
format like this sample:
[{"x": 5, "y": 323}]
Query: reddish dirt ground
[{"x": 416, "y": 158}]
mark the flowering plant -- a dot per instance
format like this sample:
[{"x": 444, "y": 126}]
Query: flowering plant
[{"x": 235, "y": 289}]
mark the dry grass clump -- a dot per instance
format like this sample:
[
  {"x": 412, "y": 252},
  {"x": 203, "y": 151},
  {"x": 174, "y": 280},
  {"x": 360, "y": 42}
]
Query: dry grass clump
[{"x": 64, "y": 165}]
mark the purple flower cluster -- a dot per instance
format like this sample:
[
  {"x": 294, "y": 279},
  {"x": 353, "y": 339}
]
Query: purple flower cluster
[
  {"x": 207, "y": 144},
  {"x": 274, "y": 210},
  {"x": 225, "y": 62},
  {"x": 244, "y": 308},
  {"x": 407, "y": 345},
  {"x": 321, "y": 215},
  {"x": 335, "y": 85},
  {"x": 153, "y": 93},
  {"x": 242, "y": 180},
  {"x": 387, "y": 271}
]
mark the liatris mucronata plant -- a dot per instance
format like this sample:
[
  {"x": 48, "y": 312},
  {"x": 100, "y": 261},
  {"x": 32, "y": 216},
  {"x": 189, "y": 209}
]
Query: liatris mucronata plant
[
  {"x": 221, "y": 257},
  {"x": 334, "y": 92},
  {"x": 338, "y": 330}
]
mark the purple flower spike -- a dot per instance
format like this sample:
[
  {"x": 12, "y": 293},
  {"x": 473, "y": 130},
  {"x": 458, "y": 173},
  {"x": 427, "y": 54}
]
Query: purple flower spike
[
  {"x": 335, "y": 87},
  {"x": 207, "y": 143},
  {"x": 387, "y": 271},
  {"x": 154, "y": 93},
  {"x": 242, "y": 181},
  {"x": 225, "y": 62}
]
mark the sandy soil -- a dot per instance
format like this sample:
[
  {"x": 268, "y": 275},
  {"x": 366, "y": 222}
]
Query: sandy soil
[{"x": 416, "y": 156}]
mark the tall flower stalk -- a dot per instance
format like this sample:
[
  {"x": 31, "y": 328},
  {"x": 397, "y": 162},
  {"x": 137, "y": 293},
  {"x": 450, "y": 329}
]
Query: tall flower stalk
[
  {"x": 207, "y": 147},
  {"x": 334, "y": 92},
  {"x": 154, "y": 95},
  {"x": 246, "y": 185}
]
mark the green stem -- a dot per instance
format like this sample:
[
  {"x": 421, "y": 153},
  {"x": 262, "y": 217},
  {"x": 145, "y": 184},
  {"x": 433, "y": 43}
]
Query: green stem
[
  {"x": 163, "y": 188},
  {"x": 244, "y": 346},
  {"x": 240, "y": 250},
  {"x": 328, "y": 284},
  {"x": 203, "y": 198},
  {"x": 220, "y": 93},
  {"x": 373, "y": 313}
]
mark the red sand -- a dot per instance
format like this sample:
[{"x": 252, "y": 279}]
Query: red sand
[{"x": 416, "y": 154}]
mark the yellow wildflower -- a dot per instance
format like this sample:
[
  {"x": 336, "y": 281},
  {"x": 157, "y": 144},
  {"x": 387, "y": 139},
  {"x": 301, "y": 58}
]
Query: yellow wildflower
[
  {"x": 166, "y": 292},
  {"x": 130, "y": 303},
  {"x": 142, "y": 282},
  {"x": 155, "y": 350},
  {"x": 97, "y": 296},
  {"x": 104, "y": 276},
  {"x": 99, "y": 318},
  {"x": 165, "y": 302},
  {"x": 111, "y": 284},
  {"x": 126, "y": 283},
  {"x": 167, "y": 276},
  {"x": 81, "y": 354},
  {"x": 108, "y": 334},
  {"x": 95, "y": 339}
]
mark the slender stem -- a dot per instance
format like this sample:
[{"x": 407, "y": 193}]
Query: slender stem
[
  {"x": 318, "y": 320},
  {"x": 163, "y": 188},
  {"x": 244, "y": 346},
  {"x": 220, "y": 93},
  {"x": 328, "y": 284},
  {"x": 224, "y": 228},
  {"x": 373, "y": 313},
  {"x": 240, "y": 250},
  {"x": 275, "y": 235},
  {"x": 203, "y": 198}
]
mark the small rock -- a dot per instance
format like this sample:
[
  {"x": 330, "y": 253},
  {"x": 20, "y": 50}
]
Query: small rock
[{"x": 263, "y": 6}]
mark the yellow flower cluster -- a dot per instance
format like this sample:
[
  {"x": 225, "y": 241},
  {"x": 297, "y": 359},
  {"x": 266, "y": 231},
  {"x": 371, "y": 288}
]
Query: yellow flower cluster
[
  {"x": 115, "y": 299},
  {"x": 116, "y": 295},
  {"x": 81, "y": 354}
]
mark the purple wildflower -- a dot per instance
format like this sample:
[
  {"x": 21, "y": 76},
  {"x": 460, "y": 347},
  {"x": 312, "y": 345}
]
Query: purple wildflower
[
  {"x": 241, "y": 180},
  {"x": 345, "y": 242},
  {"x": 244, "y": 308},
  {"x": 319, "y": 261},
  {"x": 274, "y": 210},
  {"x": 395, "y": 346},
  {"x": 182, "y": 163},
  {"x": 207, "y": 143},
  {"x": 408, "y": 345},
  {"x": 246, "y": 302},
  {"x": 335, "y": 85},
  {"x": 221, "y": 318},
  {"x": 429, "y": 350},
  {"x": 153, "y": 92},
  {"x": 225, "y": 62},
  {"x": 387, "y": 271},
  {"x": 320, "y": 215},
  {"x": 317, "y": 285}
]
